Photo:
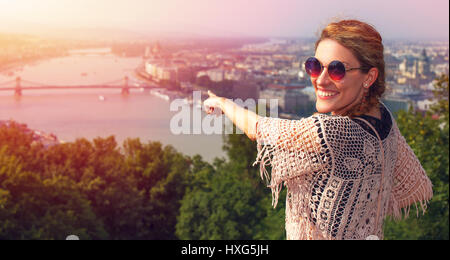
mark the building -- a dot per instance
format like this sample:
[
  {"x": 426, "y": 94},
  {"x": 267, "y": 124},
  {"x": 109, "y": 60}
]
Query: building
[
  {"x": 172, "y": 70},
  {"x": 245, "y": 89},
  {"x": 215, "y": 75},
  {"x": 425, "y": 104},
  {"x": 291, "y": 98},
  {"x": 151, "y": 67},
  {"x": 415, "y": 68},
  {"x": 423, "y": 65},
  {"x": 185, "y": 74},
  {"x": 234, "y": 74},
  {"x": 166, "y": 73},
  {"x": 187, "y": 86}
]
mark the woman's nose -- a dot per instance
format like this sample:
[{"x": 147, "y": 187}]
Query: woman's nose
[{"x": 323, "y": 78}]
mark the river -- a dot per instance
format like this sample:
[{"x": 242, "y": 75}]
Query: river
[{"x": 72, "y": 114}]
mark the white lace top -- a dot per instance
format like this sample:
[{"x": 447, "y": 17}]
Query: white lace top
[{"x": 342, "y": 181}]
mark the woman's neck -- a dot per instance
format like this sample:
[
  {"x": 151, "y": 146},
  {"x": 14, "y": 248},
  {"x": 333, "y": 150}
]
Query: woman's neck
[{"x": 375, "y": 112}]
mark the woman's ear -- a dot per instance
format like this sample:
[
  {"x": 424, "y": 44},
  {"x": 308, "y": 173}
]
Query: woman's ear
[{"x": 371, "y": 77}]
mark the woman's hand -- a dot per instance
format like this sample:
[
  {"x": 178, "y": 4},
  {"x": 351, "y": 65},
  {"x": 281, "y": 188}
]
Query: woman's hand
[
  {"x": 213, "y": 105},
  {"x": 244, "y": 119}
]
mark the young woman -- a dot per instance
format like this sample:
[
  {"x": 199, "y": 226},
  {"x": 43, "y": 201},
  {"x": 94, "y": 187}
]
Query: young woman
[{"x": 347, "y": 171}]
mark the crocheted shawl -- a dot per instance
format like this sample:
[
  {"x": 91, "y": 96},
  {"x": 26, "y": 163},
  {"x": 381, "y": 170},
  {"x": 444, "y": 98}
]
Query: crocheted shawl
[{"x": 341, "y": 181}]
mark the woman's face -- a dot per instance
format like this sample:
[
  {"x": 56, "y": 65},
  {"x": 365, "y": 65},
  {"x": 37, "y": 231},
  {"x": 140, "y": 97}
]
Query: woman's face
[{"x": 337, "y": 96}]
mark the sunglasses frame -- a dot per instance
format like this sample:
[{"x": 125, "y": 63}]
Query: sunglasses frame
[{"x": 328, "y": 70}]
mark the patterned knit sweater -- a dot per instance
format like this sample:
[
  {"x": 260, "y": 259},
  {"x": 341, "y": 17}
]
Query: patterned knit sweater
[{"x": 342, "y": 181}]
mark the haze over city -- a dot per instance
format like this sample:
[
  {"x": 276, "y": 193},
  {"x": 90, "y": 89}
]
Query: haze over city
[{"x": 401, "y": 19}]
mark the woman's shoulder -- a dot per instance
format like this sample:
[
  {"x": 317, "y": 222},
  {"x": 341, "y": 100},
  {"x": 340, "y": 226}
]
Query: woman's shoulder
[
  {"x": 382, "y": 125},
  {"x": 331, "y": 120}
]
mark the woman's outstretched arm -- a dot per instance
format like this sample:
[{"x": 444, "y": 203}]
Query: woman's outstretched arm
[{"x": 243, "y": 118}]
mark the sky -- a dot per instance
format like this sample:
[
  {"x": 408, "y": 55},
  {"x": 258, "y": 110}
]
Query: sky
[{"x": 395, "y": 19}]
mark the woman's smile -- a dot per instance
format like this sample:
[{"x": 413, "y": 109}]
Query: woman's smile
[{"x": 322, "y": 94}]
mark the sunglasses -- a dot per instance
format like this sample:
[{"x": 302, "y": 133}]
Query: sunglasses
[{"x": 336, "y": 69}]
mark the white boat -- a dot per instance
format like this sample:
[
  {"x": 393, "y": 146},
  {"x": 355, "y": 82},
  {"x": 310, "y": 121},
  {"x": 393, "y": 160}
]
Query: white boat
[{"x": 101, "y": 98}]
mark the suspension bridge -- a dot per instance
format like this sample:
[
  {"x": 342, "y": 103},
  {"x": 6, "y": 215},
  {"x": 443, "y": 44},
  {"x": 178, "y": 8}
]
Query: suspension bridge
[{"x": 124, "y": 84}]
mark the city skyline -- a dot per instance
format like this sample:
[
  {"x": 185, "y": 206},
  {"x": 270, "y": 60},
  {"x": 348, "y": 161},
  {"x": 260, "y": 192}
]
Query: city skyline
[{"x": 400, "y": 19}]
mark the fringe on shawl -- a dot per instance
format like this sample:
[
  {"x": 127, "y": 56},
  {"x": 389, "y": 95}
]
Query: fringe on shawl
[
  {"x": 264, "y": 158},
  {"x": 274, "y": 155},
  {"x": 421, "y": 196},
  {"x": 303, "y": 229}
]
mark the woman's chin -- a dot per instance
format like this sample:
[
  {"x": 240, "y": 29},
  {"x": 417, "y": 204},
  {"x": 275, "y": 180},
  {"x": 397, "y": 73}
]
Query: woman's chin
[{"x": 323, "y": 108}]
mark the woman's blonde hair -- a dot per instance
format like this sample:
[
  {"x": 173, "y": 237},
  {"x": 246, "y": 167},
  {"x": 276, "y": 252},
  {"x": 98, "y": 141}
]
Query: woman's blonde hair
[{"x": 364, "y": 41}]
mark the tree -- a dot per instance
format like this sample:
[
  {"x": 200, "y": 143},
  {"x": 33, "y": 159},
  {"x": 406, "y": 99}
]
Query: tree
[
  {"x": 428, "y": 136},
  {"x": 32, "y": 208},
  {"x": 203, "y": 81},
  {"x": 223, "y": 207},
  {"x": 93, "y": 190},
  {"x": 441, "y": 93},
  {"x": 161, "y": 174},
  {"x": 228, "y": 200}
]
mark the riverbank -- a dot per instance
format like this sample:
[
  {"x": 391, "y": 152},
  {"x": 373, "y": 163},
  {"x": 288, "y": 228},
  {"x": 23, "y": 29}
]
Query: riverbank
[
  {"x": 47, "y": 140},
  {"x": 141, "y": 74},
  {"x": 68, "y": 52},
  {"x": 19, "y": 64},
  {"x": 11, "y": 66}
]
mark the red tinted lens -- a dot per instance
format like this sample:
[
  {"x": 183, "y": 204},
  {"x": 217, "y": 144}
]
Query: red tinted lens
[
  {"x": 336, "y": 70},
  {"x": 313, "y": 67}
]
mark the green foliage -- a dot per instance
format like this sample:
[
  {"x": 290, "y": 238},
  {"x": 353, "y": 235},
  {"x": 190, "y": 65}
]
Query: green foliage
[
  {"x": 94, "y": 190},
  {"x": 428, "y": 136},
  {"x": 228, "y": 200},
  {"x": 224, "y": 207},
  {"x": 36, "y": 208},
  {"x": 272, "y": 226},
  {"x": 441, "y": 92},
  {"x": 161, "y": 174}
]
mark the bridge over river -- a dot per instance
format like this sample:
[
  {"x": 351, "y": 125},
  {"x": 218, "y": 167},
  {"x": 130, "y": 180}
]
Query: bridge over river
[{"x": 124, "y": 84}]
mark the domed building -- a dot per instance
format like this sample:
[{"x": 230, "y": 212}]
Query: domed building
[
  {"x": 156, "y": 49},
  {"x": 423, "y": 65},
  {"x": 416, "y": 70}
]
